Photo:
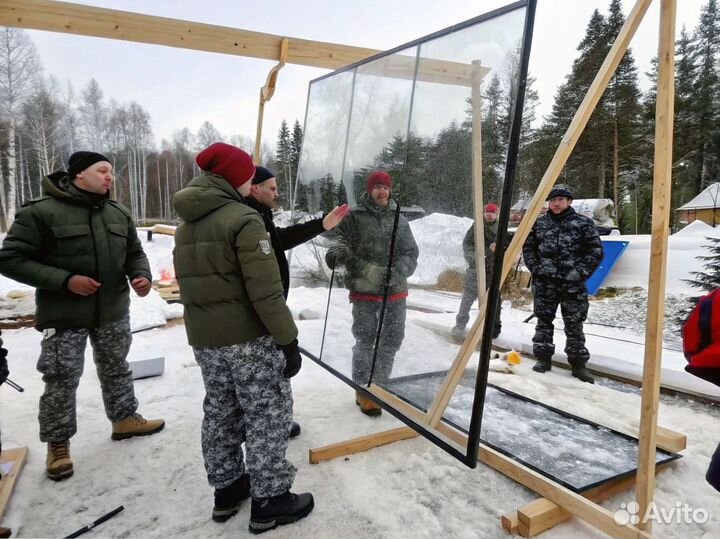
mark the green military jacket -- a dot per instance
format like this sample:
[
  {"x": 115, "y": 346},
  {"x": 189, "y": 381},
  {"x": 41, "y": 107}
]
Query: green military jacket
[
  {"x": 65, "y": 233},
  {"x": 224, "y": 262},
  {"x": 362, "y": 245}
]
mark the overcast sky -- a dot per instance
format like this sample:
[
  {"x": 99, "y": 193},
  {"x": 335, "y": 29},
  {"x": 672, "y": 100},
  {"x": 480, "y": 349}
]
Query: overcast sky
[{"x": 184, "y": 88}]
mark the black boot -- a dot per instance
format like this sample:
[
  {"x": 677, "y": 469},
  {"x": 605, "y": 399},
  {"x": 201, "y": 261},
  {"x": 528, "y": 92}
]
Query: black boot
[
  {"x": 295, "y": 430},
  {"x": 542, "y": 365},
  {"x": 269, "y": 513},
  {"x": 228, "y": 499},
  {"x": 580, "y": 372}
]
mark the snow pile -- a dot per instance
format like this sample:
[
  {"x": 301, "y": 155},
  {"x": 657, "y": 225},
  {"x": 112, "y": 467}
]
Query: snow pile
[
  {"x": 684, "y": 248},
  {"x": 439, "y": 238}
]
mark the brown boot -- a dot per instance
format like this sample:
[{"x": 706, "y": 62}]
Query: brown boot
[
  {"x": 367, "y": 406},
  {"x": 136, "y": 425},
  {"x": 59, "y": 465}
]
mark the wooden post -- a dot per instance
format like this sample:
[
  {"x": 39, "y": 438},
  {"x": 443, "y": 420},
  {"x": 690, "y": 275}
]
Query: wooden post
[
  {"x": 572, "y": 135},
  {"x": 477, "y": 176},
  {"x": 662, "y": 181},
  {"x": 266, "y": 93}
]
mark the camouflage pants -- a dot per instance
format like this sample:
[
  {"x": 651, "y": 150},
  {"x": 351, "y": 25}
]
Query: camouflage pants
[
  {"x": 248, "y": 400},
  {"x": 470, "y": 294},
  {"x": 366, "y": 315},
  {"x": 61, "y": 363},
  {"x": 573, "y": 301}
]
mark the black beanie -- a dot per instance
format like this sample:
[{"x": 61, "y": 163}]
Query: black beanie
[
  {"x": 79, "y": 161},
  {"x": 262, "y": 174}
]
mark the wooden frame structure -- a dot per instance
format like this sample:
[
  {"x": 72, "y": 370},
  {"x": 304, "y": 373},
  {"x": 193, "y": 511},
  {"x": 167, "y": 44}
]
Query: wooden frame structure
[{"x": 71, "y": 18}]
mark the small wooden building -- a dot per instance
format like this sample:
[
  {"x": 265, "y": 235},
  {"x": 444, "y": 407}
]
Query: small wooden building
[{"x": 704, "y": 207}]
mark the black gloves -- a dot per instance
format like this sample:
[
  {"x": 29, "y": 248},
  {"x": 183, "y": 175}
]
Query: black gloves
[
  {"x": 4, "y": 372},
  {"x": 293, "y": 359}
]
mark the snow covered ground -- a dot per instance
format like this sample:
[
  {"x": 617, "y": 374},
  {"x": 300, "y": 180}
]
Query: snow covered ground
[{"x": 406, "y": 489}]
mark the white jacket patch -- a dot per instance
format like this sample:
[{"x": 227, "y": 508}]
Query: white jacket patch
[{"x": 265, "y": 246}]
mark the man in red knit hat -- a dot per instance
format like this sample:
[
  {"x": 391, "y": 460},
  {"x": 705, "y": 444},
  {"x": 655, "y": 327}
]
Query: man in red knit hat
[
  {"x": 244, "y": 339},
  {"x": 363, "y": 248},
  {"x": 470, "y": 290}
]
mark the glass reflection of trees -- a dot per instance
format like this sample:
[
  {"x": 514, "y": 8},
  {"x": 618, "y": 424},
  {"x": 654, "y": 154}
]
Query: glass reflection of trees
[{"x": 433, "y": 172}]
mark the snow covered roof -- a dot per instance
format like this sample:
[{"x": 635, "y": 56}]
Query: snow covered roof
[{"x": 709, "y": 198}]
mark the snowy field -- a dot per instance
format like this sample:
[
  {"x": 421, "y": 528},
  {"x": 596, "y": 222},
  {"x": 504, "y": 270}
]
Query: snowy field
[{"x": 406, "y": 489}]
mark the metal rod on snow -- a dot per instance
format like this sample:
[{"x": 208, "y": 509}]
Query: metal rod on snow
[
  {"x": 13, "y": 385},
  {"x": 97, "y": 522}
]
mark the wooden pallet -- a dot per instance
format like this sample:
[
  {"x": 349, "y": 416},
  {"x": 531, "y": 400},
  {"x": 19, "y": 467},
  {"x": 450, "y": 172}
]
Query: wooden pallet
[
  {"x": 170, "y": 293},
  {"x": 17, "y": 458}
]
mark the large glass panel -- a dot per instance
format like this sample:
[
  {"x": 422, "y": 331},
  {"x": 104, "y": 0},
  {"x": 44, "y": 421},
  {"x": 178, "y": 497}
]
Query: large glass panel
[{"x": 433, "y": 117}]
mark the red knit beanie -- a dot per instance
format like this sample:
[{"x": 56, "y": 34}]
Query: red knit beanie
[
  {"x": 491, "y": 208},
  {"x": 378, "y": 177},
  {"x": 233, "y": 164}
]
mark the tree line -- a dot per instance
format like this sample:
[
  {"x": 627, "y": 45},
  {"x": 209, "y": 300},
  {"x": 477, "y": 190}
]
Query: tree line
[
  {"x": 613, "y": 158},
  {"x": 42, "y": 121}
]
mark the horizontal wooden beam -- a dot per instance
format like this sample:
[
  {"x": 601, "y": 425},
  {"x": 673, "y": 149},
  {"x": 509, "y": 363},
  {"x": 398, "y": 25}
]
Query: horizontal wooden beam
[
  {"x": 69, "y": 18},
  {"x": 574, "y": 503},
  {"x": 540, "y": 515},
  {"x": 362, "y": 443}
]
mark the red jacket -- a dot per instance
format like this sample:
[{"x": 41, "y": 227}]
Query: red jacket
[{"x": 701, "y": 339}]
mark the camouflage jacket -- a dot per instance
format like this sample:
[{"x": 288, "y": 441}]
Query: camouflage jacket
[
  {"x": 566, "y": 247},
  {"x": 490, "y": 231},
  {"x": 363, "y": 247}
]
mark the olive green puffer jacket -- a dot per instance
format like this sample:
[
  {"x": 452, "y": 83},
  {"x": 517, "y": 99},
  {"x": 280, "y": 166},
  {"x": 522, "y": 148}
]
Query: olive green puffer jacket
[
  {"x": 65, "y": 233},
  {"x": 229, "y": 279}
]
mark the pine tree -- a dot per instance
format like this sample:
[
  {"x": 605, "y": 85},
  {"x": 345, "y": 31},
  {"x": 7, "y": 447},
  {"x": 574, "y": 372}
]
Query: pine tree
[
  {"x": 707, "y": 86},
  {"x": 283, "y": 154},
  {"x": 709, "y": 279}
]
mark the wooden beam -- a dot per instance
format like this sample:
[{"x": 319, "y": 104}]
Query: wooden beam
[
  {"x": 7, "y": 483},
  {"x": 569, "y": 140},
  {"x": 510, "y": 522},
  {"x": 574, "y": 503},
  {"x": 662, "y": 186},
  {"x": 69, "y": 18},
  {"x": 540, "y": 515},
  {"x": 362, "y": 443},
  {"x": 163, "y": 229}
]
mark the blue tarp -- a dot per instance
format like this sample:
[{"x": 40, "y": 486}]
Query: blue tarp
[{"x": 611, "y": 253}]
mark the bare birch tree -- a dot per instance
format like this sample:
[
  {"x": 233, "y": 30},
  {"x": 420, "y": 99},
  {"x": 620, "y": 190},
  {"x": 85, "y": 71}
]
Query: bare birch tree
[{"x": 19, "y": 66}]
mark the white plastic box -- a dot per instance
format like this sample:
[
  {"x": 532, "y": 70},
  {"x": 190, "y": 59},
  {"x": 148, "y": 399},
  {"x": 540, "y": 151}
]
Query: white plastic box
[{"x": 145, "y": 368}]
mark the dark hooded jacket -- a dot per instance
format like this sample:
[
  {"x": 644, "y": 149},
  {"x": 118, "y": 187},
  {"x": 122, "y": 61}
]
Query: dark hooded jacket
[
  {"x": 227, "y": 271},
  {"x": 66, "y": 233},
  {"x": 284, "y": 239}
]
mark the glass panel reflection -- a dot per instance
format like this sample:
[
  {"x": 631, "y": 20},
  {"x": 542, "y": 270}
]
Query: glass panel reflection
[{"x": 406, "y": 166}]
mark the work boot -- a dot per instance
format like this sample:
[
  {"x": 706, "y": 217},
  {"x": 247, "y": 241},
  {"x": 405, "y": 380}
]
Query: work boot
[
  {"x": 228, "y": 499},
  {"x": 295, "y": 430},
  {"x": 136, "y": 425},
  {"x": 583, "y": 374},
  {"x": 458, "y": 332},
  {"x": 367, "y": 406},
  {"x": 59, "y": 465},
  {"x": 269, "y": 513},
  {"x": 542, "y": 365}
]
